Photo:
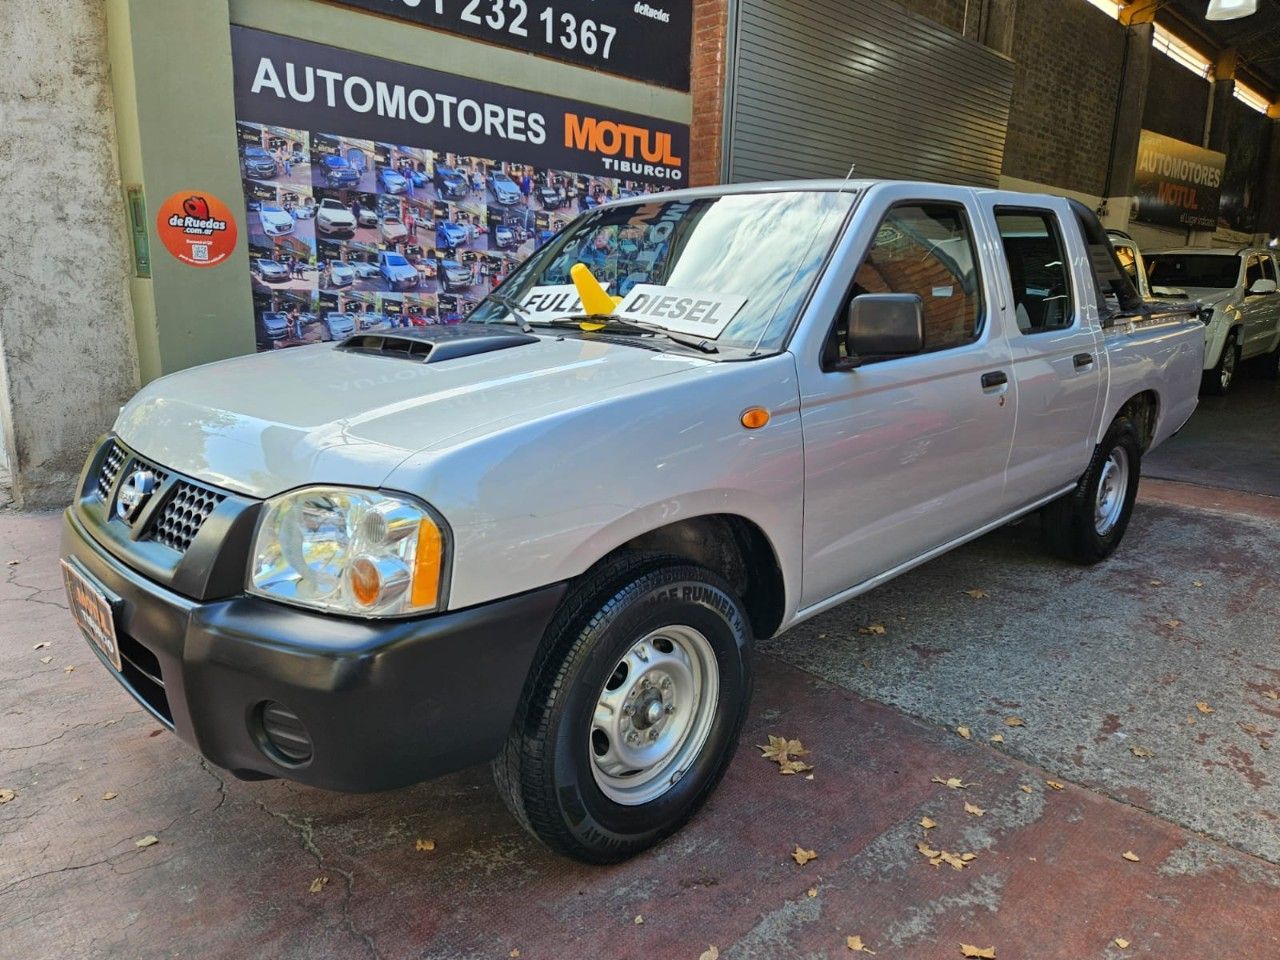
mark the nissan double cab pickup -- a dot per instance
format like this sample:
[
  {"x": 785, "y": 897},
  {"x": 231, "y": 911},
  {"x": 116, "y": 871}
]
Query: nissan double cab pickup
[{"x": 550, "y": 536}]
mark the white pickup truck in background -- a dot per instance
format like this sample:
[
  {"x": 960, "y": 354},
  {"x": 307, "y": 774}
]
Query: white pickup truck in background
[
  {"x": 550, "y": 536},
  {"x": 1237, "y": 288}
]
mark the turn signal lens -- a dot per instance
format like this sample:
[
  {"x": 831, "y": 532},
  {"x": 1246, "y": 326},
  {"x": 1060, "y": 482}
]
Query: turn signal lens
[
  {"x": 428, "y": 559},
  {"x": 366, "y": 585},
  {"x": 753, "y": 418}
]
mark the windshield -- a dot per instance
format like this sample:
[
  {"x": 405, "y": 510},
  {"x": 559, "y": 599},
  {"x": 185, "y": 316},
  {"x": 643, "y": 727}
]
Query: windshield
[
  {"x": 395, "y": 260},
  {"x": 1213, "y": 270},
  {"x": 752, "y": 256}
]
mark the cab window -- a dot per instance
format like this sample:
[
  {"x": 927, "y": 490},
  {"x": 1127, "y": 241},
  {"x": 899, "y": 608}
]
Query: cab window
[
  {"x": 926, "y": 249},
  {"x": 1252, "y": 272},
  {"x": 1038, "y": 275},
  {"x": 1269, "y": 267}
]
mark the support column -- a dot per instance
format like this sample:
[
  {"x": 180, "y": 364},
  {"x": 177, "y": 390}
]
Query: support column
[
  {"x": 1139, "y": 20},
  {"x": 1224, "y": 90},
  {"x": 709, "y": 74},
  {"x": 995, "y": 28}
]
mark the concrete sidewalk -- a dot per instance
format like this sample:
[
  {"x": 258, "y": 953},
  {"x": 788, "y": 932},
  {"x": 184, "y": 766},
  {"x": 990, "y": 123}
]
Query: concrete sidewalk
[{"x": 1084, "y": 658}]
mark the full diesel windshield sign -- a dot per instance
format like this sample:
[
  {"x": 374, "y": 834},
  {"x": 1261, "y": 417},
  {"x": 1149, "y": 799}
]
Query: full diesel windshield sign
[
  {"x": 649, "y": 41},
  {"x": 380, "y": 195}
]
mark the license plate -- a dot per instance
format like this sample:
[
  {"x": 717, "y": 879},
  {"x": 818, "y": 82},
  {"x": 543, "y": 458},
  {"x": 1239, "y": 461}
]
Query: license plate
[{"x": 92, "y": 610}]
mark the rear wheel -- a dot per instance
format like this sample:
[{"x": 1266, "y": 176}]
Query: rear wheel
[
  {"x": 1088, "y": 524},
  {"x": 1219, "y": 379},
  {"x": 632, "y": 711}
]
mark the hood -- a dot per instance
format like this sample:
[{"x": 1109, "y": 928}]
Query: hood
[
  {"x": 270, "y": 422},
  {"x": 1208, "y": 296}
]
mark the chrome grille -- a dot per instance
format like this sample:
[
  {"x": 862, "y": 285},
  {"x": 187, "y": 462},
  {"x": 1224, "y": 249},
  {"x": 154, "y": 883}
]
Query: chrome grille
[
  {"x": 110, "y": 469},
  {"x": 182, "y": 515}
]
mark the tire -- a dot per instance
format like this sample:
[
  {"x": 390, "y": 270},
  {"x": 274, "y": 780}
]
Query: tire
[
  {"x": 1217, "y": 381},
  {"x": 566, "y": 786},
  {"x": 1088, "y": 524}
]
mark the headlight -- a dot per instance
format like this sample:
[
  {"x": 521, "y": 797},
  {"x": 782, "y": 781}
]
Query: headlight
[{"x": 351, "y": 551}]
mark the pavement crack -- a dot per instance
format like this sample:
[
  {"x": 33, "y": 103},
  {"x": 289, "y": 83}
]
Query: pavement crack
[
  {"x": 74, "y": 726},
  {"x": 305, "y": 832}
]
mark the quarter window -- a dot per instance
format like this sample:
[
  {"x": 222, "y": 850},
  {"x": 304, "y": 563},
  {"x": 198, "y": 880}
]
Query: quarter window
[
  {"x": 1038, "y": 274},
  {"x": 1269, "y": 268},
  {"x": 927, "y": 249},
  {"x": 1252, "y": 272}
]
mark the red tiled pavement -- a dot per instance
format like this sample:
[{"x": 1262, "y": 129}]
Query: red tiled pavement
[{"x": 230, "y": 875}]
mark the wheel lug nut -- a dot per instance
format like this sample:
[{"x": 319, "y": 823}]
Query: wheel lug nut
[
  {"x": 670, "y": 708},
  {"x": 653, "y": 735},
  {"x": 628, "y": 710}
]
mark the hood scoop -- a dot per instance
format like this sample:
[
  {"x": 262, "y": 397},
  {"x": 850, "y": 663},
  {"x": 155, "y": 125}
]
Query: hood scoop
[{"x": 435, "y": 344}]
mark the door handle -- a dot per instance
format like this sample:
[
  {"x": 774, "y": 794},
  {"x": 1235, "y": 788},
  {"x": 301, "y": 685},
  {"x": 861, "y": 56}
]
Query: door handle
[
  {"x": 1082, "y": 360},
  {"x": 995, "y": 378}
]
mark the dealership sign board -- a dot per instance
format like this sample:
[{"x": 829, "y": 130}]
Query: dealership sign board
[
  {"x": 1177, "y": 184},
  {"x": 648, "y": 41},
  {"x": 295, "y": 83}
]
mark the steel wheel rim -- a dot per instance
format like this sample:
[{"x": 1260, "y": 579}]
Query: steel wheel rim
[
  {"x": 1113, "y": 488},
  {"x": 1228, "y": 364},
  {"x": 653, "y": 715}
]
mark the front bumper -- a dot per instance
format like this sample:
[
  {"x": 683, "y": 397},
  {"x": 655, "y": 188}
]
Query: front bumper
[{"x": 386, "y": 703}]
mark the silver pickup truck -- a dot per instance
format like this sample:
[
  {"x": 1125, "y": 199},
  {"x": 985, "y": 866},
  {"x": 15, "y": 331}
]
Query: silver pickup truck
[{"x": 549, "y": 537}]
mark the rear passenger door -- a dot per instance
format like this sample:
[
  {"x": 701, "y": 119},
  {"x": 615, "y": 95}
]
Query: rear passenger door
[
  {"x": 904, "y": 453},
  {"x": 1054, "y": 342}
]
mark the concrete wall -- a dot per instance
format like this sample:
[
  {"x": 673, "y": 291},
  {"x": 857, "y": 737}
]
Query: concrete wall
[
  {"x": 66, "y": 341},
  {"x": 1068, "y": 57}
]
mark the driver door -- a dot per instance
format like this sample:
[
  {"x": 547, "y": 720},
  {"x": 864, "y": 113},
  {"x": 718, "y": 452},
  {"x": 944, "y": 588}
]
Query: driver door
[{"x": 905, "y": 454}]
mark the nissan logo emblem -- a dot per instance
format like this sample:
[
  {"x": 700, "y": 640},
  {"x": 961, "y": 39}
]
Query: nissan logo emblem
[{"x": 134, "y": 493}]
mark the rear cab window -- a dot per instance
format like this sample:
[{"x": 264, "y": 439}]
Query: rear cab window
[{"x": 1038, "y": 264}]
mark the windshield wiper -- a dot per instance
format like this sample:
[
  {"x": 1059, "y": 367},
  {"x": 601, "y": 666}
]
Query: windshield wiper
[
  {"x": 514, "y": 308},
  {"x": 617, "y": 325}
]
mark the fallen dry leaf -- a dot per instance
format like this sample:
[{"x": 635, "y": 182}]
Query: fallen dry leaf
[
  {"x": 1131, "y": 856},
  {"x": 970, "y": 808},
  {"x": 809, "y": 777},
  {"x": 514, "y": 954},
  {"x": 46, "y": 659},
  {"x": 1173, "y": 623},
  {"x": 927, "y": 850},
  {"x": 148, "y": 841},
  {"x": 997, "y": 738},
  {"x": 1197, "y": 583},
  {"x": 1024, "y": 788},
  {"x": 927, "y": 823},
  {"x": 954, "y": 783},
  {"x": 41, "y": 645},
  {"x": 638, "y": 920},
  {"x": 1271, "y": 694},
  {"x": 711, "y": 953},
  {"x": 1203, "y": 707},
  {"x": 977, "y": 594},
  {"x": 977, "y": 953},
  {"x": 1121, "y": 942},
  {"x": 1140, "y": 751},
  {"x": 956, "y": 863},
  {"x": 811, "y": 892},
  {"x": 783, "y": 752},
  {"x": 1054, "y": 785},
  {"x": 965, "y": 732},
  {"x": 318, "y": 884},
  {"x": 875, "y": 629},
  {"x": 68, "y": 668},
  {"x": 1013, "y": 722},
  {"x": 803, "y": 856},
  {"x": 6, "y": 795},
  {"x": 109, "y": 795},
  {"x": 14, "y": 563},
  {"x": 427, "y": 845},
  {"x": 966, "y": 857},
  {"x": 1156, "y": 583},
  {"x": 857, "y": 946}
]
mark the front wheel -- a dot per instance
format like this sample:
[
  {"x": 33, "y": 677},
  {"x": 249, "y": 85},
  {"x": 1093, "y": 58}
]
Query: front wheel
[
  {"x": 632, "y": 710},
  {"x": 1088, "y": 524},
  {"x": 1218, "y": 380}
]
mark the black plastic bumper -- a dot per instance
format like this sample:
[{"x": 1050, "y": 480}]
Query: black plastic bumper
[{"x": 386, "y": 703}]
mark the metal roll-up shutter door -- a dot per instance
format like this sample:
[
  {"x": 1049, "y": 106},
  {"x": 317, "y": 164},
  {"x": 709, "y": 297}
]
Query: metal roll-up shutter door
[{"x": 818, "y": 85}]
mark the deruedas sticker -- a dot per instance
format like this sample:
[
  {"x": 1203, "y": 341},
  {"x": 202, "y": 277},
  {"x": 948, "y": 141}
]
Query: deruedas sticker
[{"x": 197, "y": 228}]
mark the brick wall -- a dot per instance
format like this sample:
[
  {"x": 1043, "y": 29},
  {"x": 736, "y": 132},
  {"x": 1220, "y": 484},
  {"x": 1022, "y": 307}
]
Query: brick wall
[
  {"x": 708, "y": 75},
  {"x": 1177, "y": 100},
  {"x": 1067, "y": 67},
  {"x": 949, "y": 13}
]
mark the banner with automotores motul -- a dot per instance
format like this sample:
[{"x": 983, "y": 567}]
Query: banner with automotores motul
[
  {"x": 1177, "y": 184},
  {"x": 382, "y": 195},
  {"x": 650, "y": 40}
]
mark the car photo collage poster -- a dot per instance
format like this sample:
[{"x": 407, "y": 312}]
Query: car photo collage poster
[{"x": 381, "y": 196}]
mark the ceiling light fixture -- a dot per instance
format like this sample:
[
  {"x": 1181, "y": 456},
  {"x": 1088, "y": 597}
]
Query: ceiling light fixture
[{"x": 1231, "y": 9}]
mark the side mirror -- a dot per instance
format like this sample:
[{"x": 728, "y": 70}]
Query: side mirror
[
  {"x": 1261, "y": 286},
  {"x": 883, "y": 324}
]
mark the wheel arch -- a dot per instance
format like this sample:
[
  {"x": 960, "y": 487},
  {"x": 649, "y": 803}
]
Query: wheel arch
[{"x": 1144, "y": 409}]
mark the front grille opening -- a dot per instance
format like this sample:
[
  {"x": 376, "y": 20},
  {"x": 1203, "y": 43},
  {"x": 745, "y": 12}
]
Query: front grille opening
[
  {"x": 141, "y": 671},
  {"x": 284, "y": 738},
  {"x": 110, "y": 469},
  {"x": 181, "y": 518}
]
